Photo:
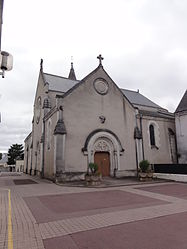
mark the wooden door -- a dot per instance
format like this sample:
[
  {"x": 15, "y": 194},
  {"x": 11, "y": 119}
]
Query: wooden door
[{"x": 102, "y": 159}]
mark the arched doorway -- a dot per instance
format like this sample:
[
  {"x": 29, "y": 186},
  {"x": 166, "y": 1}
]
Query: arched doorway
[{"x": 104, "y": 148}]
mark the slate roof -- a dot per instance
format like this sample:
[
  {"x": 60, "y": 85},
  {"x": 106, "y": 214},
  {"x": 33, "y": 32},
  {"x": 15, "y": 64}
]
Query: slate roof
[
  {"x": 137, "y": 98},
  {"x": 59, "y": 84},
  {"x": 159, "y": 114},
  {"x": 62, "y": 84},
  {"x": 183, "y": 104}
]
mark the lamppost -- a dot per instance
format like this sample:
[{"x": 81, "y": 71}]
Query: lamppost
[{"x": 6, "y": 59}]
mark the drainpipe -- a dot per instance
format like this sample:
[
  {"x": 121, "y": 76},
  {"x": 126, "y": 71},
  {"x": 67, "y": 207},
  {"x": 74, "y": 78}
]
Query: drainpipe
[
  {"x": 31, "y": 161},
  {"x": 43, "y": 149},
  {"x": 136, "y": 152},
  {"x": 142, "y": 136},
  {"x": 27, "y": 161},
  {"x": 136, "y": 157}
]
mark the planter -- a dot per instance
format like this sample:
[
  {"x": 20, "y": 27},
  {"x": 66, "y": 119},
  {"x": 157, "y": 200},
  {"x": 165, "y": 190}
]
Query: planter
[
  {"x": 145, "y": 176},
  {"x": 150, "y": 175},
  {"x": 92, "y": 180}
]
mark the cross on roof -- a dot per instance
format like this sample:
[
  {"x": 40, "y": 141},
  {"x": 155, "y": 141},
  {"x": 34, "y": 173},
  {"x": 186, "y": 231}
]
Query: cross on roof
[{"x": 100, "y": 59}]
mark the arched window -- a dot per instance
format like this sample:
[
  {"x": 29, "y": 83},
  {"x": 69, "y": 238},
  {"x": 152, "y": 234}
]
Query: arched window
[{"x": 152, "y": 135}]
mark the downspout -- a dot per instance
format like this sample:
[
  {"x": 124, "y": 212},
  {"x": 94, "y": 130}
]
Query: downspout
[
  {"x": 27, "y": 161},
  {"x": 43, "y": 150},
  {"x": 31, "y": 161},
  {"x": 136, "y": 151},
  {"x": 136, "y": 158},
  {"x": 176, "y": 148},
  {"x": 142, "y": 136}
]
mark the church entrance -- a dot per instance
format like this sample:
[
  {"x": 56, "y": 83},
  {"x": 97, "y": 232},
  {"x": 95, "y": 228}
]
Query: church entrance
[{"x": 102, "y": 159}]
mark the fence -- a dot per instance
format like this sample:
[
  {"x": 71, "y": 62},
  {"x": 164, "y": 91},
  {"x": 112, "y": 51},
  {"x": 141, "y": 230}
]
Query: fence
[{"x": 171, "y": 168}]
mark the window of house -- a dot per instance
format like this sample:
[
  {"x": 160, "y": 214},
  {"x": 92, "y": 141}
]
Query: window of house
[{"x": 152, "y": 135}]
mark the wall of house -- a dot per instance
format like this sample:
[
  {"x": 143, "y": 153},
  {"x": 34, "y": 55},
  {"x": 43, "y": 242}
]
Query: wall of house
[{"x": 181, "y": 132}]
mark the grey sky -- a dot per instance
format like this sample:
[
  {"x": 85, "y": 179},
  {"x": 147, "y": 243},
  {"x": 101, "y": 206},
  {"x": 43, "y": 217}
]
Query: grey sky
[{"x": 144, "y": 43}]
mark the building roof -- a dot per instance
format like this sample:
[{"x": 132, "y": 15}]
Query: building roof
[
  {"x": 137, "y": 98},
  {"x": 59, "y": 84},
  {"x": 62, "y": 84},
  {"x": 158, "y": 114},
  {"x": 183, "y": 104}
]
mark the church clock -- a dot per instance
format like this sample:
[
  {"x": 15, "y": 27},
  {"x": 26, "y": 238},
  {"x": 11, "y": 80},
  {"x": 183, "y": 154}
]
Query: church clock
[{"x": 38, "y": 109}]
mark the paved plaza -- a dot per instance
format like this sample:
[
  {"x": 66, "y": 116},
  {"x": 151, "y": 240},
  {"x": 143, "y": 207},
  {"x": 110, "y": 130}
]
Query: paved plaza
[{"x": 38, "y": 214}]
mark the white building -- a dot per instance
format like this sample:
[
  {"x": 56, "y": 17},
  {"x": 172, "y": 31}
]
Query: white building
[{"x": 93, "y": 120}]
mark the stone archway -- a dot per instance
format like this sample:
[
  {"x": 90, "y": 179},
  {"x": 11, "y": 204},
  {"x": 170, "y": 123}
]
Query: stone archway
[{"x": 103, "y": 144}]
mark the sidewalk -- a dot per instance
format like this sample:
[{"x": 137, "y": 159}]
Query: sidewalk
[{"x": 45, "y": 215}]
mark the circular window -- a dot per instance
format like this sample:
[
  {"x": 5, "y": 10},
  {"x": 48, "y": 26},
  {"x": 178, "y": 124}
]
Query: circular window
[{"x": 101, "y": 86}]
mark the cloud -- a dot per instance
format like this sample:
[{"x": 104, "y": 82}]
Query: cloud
[{"x": 144, "y": 44}]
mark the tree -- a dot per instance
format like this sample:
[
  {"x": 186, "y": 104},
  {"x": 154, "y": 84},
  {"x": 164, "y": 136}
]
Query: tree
[
  {"x": 15, "y": 152},
  {"x": 1, "y": 155}
]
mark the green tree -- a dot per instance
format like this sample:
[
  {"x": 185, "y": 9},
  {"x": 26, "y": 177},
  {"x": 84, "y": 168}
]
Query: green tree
[
  {"x": 1, "y": 155},
  {"x": 15, "y": 152}
]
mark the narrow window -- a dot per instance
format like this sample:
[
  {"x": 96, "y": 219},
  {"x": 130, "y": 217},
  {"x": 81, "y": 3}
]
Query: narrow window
[
  {"x": 49, "y": 135},
  {"x": 152, "y": 135}
]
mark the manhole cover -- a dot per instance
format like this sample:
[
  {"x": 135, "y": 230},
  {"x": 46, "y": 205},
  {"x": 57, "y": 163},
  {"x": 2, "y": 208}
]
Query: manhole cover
[{"x": 24, "y": 181}]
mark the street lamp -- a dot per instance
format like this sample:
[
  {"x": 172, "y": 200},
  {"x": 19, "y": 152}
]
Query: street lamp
[
  {"x": 6, "y": 59},
  {"x": 6, "y": 62}
]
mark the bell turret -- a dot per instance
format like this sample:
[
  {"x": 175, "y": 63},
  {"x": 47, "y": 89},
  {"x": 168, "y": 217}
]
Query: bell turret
[{"x": 72, "y": 75}]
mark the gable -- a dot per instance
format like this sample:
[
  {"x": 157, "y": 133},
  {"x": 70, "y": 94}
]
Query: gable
[
  {"x": 40, "y": 87},
  {"x": 183, "y": 104},
  {"x": 99, "y": 80},
  {"x": 66, "y": 86},
  {"x": 94, "y": 98}
]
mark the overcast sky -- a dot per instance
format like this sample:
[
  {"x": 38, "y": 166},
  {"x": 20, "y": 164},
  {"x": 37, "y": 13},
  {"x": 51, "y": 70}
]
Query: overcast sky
[{"x": 143, "y": 42}]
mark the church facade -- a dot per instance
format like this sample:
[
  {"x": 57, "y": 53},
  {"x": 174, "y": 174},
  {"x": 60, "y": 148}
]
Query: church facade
[{"x": 93, "y": 120}]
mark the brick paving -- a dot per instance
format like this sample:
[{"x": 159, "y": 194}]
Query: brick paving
[
  {"x": 3, "y": 218},
  {"x": 158, "y": 233},
  {"x": 113, "y": 215},
  {"x": 57, "y": 207}
]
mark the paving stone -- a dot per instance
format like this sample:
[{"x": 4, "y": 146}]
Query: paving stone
[{"x": 118, "y": 207}]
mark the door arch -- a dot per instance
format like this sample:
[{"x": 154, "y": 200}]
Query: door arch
[{"x": 107, "y": 143}]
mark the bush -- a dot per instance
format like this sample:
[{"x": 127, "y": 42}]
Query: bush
[
  {"x": 93, "y": 168},
  {"x": 144, "y": 165}
]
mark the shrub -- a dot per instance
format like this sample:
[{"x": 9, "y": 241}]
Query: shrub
[
  {"x": 93, "y": 168},
  {"x": 144, "y": 165}
]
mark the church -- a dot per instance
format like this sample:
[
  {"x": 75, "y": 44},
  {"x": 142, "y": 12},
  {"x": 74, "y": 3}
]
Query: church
[{"x": 76, "y": 122}]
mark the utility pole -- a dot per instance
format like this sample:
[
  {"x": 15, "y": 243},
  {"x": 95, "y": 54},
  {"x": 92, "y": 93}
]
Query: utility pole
[{"x": 1, "y": 19}]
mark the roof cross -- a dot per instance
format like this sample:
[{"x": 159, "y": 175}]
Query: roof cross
[{"x": 100, "y": 58}]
